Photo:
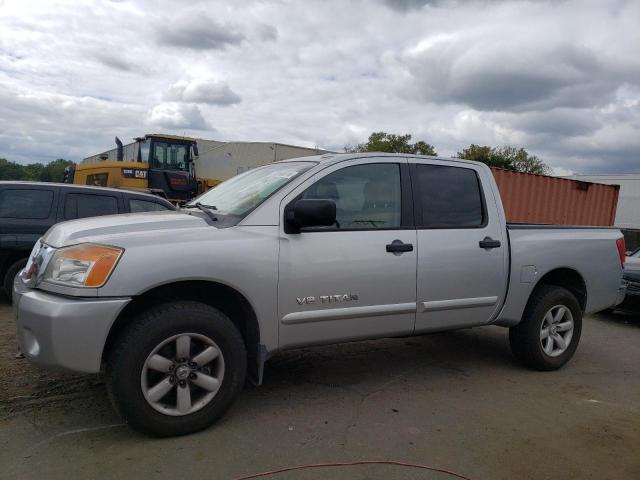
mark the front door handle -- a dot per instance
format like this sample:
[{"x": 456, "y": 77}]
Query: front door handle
[
  {"x": 489, "y": 243},
  {"x": 397, "y": 247}
]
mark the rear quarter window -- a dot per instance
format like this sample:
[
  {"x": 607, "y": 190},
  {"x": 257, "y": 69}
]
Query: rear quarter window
[{"x": 25, "y": 203}]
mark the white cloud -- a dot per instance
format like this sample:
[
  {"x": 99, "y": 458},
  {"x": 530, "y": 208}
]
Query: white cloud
[
  {"x": 561, "y": 79},
  {"x": 214, "y": 92},
  {"x": 176, "y": 116},
  {"x": 36, "y": 125},
  {"x": 561, "y": 172},
  {"x": 199, "y": 32}
]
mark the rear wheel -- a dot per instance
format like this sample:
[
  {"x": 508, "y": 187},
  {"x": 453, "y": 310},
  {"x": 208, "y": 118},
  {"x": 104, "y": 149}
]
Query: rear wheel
[
  {"x": 176, "y": 369},
  {"x": 549, "y": 332},
  {"x": 10, "y": 275}
]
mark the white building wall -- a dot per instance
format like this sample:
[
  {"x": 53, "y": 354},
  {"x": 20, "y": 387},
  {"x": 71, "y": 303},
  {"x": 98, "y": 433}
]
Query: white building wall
[
  {"x": 628, "y": 211},
  {"x": 223, "y": 160}
]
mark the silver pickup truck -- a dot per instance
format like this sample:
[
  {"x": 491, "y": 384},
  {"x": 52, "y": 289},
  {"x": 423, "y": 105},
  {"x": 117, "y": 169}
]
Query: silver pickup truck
[{"x": 179, "y": 307}]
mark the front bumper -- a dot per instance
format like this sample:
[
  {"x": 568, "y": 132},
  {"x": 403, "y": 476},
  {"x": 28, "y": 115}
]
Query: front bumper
[{"x": 63, "y": 332}]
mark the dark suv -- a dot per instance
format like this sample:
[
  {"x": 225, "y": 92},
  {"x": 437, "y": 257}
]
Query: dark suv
[{"x": 28, "y": 209}]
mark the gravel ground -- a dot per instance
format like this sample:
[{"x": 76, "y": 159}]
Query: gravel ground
[{"x": 455, "y": 400}]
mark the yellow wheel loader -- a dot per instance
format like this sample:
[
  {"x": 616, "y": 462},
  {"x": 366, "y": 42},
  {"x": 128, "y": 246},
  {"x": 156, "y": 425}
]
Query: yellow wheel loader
[{"x": 158, "y": 164}]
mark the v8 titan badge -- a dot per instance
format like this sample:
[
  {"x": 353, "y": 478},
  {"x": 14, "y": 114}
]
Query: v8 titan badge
[{"x": 343, "y": 297}]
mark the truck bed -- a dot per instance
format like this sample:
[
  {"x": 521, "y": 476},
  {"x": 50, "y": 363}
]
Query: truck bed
[{"x": 539, "y": 250}]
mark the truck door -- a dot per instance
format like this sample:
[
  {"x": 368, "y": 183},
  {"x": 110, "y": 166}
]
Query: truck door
[
  {"x": 462, "y": 271},
  {"x": 357, "y": 278}
]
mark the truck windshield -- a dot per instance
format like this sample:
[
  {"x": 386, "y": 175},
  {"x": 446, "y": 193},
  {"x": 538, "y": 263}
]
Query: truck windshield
[
  {"x": 170, "y": 156},
  {"x": 243, "y": 193}
]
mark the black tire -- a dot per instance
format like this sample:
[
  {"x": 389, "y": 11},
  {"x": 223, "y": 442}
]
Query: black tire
[
  {"x": 127, "y": 357},
  {"x": 10, "y": 275},
  {"x": 524, "y": 338}
]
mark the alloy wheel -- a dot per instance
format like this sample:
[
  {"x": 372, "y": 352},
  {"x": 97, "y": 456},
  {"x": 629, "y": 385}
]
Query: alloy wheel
[
  {"x": 556, "y": 330},
  {"x": 182, "y": 374}
]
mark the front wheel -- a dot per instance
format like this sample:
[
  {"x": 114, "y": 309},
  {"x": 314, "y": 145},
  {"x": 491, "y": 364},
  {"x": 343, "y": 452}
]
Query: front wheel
[
  {"x": 176, "y": 369},
  {"x": 549, "y": 332}
]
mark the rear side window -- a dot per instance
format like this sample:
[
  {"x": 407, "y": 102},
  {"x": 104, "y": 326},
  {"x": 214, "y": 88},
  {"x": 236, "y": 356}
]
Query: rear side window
[
  {"x": 78, "y": 205},
  {"x": 25, "y": 203},
  {"x": 136, "y": 206},
  {"x": 449, "y": 197}
]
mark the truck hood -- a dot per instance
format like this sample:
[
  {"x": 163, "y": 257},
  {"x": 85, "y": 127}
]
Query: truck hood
[{"x": 115, "y": 227}]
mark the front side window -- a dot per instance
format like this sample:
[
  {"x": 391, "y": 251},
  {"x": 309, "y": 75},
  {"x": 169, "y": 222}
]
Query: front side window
[
  {"x": 242, "y": 193},
  {"x": 25, "y": 203},
  {"x": 78, "y": 205},
  {"x": 366, "y": 196},
  {"x": 449, "y": 197},
  {"x": 170, "y": 156}
]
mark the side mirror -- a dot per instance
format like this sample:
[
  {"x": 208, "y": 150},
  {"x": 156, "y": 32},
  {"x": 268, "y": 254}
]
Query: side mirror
[
  {"x": 310, "y": 213},
  {"x": 195, "y": 149}
]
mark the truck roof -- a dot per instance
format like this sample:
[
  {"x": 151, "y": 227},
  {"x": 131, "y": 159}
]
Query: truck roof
[
  {"x": 76, "y": 186},
  {"x": 329, "y": 158},
  {"x": 170, "y": 137}
]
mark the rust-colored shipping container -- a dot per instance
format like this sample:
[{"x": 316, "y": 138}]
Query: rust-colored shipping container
[{"x": 529, "y": 198}]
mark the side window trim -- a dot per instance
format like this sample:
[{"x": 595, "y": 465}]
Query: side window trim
[
  {"x": 62, "y": 196},
  {"x": 126, "y": 203},
  {"x": 407, "y": 212},
  {"x": 407, "y": 221},
  {"x": 122, "y": 203},
  {"x": 415, "y": 185},
  {"x": 68, "y": 197}
]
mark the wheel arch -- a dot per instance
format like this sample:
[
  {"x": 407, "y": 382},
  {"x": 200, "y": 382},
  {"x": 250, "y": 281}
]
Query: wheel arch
[
  {"x": 11, "y": 258},
  {"x": 568, "y": 278},
  {"x": 223, "y": 297},
  {"x": 6, "y": 283}
]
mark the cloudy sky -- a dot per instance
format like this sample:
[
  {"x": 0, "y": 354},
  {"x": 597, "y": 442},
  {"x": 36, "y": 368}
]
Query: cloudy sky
[{"x": 561, "y": 79}]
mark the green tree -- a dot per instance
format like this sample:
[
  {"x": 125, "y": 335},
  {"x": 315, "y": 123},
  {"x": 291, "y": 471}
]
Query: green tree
[
  {"x": 54, "y": 171},
  {"x": 33, "y": 171},
  {"x": 51, "y": 172},
  {"x": 389, "y": 142},
  {"x": 509, "y": 158},
  {"x": 10, "y": 170}
]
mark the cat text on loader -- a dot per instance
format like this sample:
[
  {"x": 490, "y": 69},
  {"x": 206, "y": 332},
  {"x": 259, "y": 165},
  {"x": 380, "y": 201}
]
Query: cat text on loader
[{"x": 158, "y": 164}]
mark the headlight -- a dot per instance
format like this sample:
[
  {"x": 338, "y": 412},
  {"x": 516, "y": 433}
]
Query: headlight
[{"x": 84, "y": 265}]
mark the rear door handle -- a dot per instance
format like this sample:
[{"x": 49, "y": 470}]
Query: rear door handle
[
  {"x": 489, "y": 243},
  {"x": 397, "y": 247}
]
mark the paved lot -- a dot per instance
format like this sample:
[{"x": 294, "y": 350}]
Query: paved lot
[{"x": 455, "y": 400}]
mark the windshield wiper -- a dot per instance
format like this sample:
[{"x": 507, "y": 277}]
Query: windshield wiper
[
  {"x": 199, "y": 205},
  {"x": 206, "y": 209}
]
